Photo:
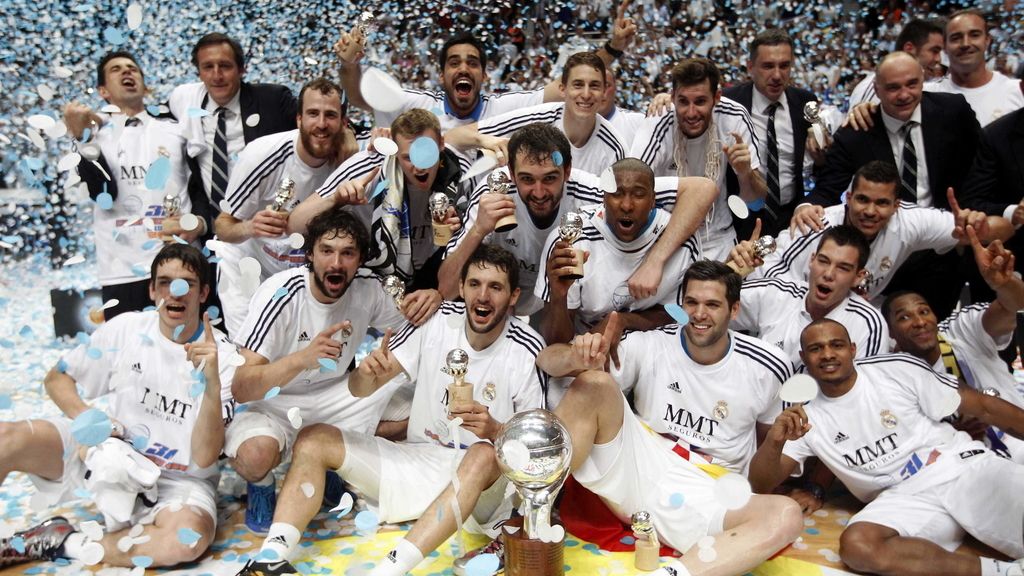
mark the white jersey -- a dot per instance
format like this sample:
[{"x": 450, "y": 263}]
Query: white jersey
[
  {"x": 604, "y": 287},
  {"x": 1000, "y": 95},
  {"x": 504, "y": 375},
  {"x": 154, "y": 392},
  {"x": 656, "y": 143},
  {"x": 887, "y": 429},
  {"x": 488, "y": 106},
  {"x": 261, "y": 167},
  {"x": 627, "y": 123},
  {"x": 710, "y": 410},
  {"x": 976, "y": 354},
  {"x": 776, "y": 310},
  {"x": 128, "y": 235},
  {"x": 604, "y": 147},
  {"x": 284, "y": 318},
  {"x": 526, "y": 240},
  {"x": 911, "y": 228}
]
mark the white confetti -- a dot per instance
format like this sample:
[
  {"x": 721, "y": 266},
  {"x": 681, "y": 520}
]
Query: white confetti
[
  {"x": 134, "y": 16},
  {"x": 189, "y": 222},
  {"x": 296, "y": 240},
  {"x": 387, "y": 147},
  {"x": 110, "y": 304},
  {"x": 125, "y": 543},
  {"x": 252, "y": 120},
  {"x": 111, "y": 109},
  {"x": 62, "y": 72},
  {"x": 68, "y": 161},
  {"x": 738, "y": 207},
  {"x": 58, "y": 130},
  {"x": 76, "y": 259},
  {"x": 294, "y": 417},
  {"x": 37, "y": 140},
  {"x": 382, "y": 91},
  {"x": 707, "y": 555},
  {"x": 45, "y": 92},
  {"x": 92, "y": 554},
  {"x": 800, "y": 388},
  {"x": 732, "y": 491},
  {"x": 41, "y": 121},
  {"x": 308, "y": 489},
  {"x": 236, "y": 359},
  {"x": 706, "y": 542}
]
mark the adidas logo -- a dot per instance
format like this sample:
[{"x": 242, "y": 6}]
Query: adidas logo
[
  {"x": 511, "y": 242},
  {"x": 840, "y": 438},
  {"x": 303, "y": 337},
  {"x": 674, "y": 387},
  {"x": 137, "y": 367},
  {"x": 279, "y": 540},
  {"x": 393, "y": 557}
]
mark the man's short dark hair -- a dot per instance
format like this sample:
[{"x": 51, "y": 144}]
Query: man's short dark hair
[
  {"x": 693, "y": 71},
  {"x": 823, "y": 322},
  {"x": 917, "y": 32},
  {"x": 846, "y": 235},
  {"x": 966, "y": 12},
  {"x": 495, "y": 256},
  {"x": 190, "y": 258},
  {"x": 879, "y": 172},
  {"x": 464, "y": 37},
  {"x": 583, "y": 59},
  {"x": 325, "y": 87},
  {"x": 538, "y": 142},
  {"x": 714, "y": 271},
  {"x": 101, "y": 79},
  {"x": 633, "y": 165},
  {"x": 890, "y": 298},
  {"x": 332, "y": 223},
  {"x": 214, "y": 38},
  {"x": 771, "y": 37}
]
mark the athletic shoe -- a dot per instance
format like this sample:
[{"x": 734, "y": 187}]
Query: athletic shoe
[
  {"x": 254, "y": 568},
  {"x": 496, "y": 547},
  {"x": 42, "y": 542},
  {"x": 334, "y": 489},
  {"x": 259, "y": 510}
]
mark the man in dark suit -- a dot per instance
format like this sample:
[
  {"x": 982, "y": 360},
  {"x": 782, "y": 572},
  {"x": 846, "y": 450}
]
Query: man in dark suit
[
  {"x": 776, "y": 109},
  {"x": 236, "y": 113},
  {"x": 931, "y": 138}
]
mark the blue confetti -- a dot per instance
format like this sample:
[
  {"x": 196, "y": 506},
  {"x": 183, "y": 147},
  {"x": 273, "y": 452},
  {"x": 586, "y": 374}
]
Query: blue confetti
[
  {"x": 813, "y": 531},
  {"x": 177, "y": 331},
  {"x": 5, "y": 401},
  {"x": 197, "y": 389},
  {"x": 150, "y": 244},
  {"x": 676, "y": 500},
  {"x": 140, "y": 443},
  {"x": 273, "y": 392},
  {"x": 327, "y": 365},
  {"x": 482, "y": 565},
  {"x": 279, "y": 293},
  {"x": 756, "y": 205},
  {"x": 267, "y": 556},
  {"x": 62, "y": 366},
  {"x": 678, "y": 314},
  {"x": 18, "y": 543},
  {"x": 556, "y": 158},
  {"x": 104, "y": 200},
  {"x": 4, "y": 342},
  {"x": 140, "y": 270},
  {"x": 424, "y": 152},
  {"x": 628, "y": 540},
  {"x": 82, "y": 493},
  {"x": 381, "y": 187},
  {"x": 214, "y": 312},
  {"x": 188, "y": 536},
  {"x": 91, "y": 427},
  {"x": 94, "y": 353},
  {"x": 142, "y": 561},
  {"x": 153, "y": 110},
  {"x": 25, "y": 331},
  {"x": 197, "y": 112},
  {"x": 113, "y": 36},
  {"x": 367, "y": 521},
  {"x": 158, "y": 173},
  {"x": 179, "y": 287}
]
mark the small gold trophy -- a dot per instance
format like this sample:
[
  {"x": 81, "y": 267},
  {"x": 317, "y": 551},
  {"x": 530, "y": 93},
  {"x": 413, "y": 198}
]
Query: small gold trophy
[
  {"x": 568, "y": 231},
  {"x": 646, "y": 555},
  {"x": 365, "y": 23},
  {"x": 763, "y": 246},
  {"x": 284, "y": 196},
  {"x": 498, "y": 182},
  {"x": 439, "y": 205},
  {"x": 460, "y": 392}
]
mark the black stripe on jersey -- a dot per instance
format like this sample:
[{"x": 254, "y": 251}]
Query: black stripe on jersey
[
  {"x": 944, "y": 325},
  {"x": 736, "y": 109},
  {"x": 516, "y": 122},
  {"x": 583, "y": 192},
  {"x": 402, "y": 335},
  {"x": 438, "y": 96},
  {"x": 750, "y": 348},
  {"x": 272, "y": 310},
  {"x": 351, "y": 172},
  {"x": 670, "y": 329},
  {"x": 530, "y": 341},
  {"x": 252, "y": 180},
  {"x": 666, "y": 123},
  {"x": 873, "y": 318},
  {"x": 611, "y": 141},
  {"x": 801, "y": 244},
  {"x": 794, "y": 290},
  {"x": 449, "y": 307},
  {"x": 945, "y": 379}
]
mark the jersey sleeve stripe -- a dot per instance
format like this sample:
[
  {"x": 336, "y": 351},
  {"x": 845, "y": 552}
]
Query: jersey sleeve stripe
[
  {"x": 657, "y": 138},
  {"x": 873, "y": 318},
  {"x": 517, "y": 121},
  {"x": 271, "y": 311},
  {"x": 763, "y": 357},
  {"x": 781, "y": 285},
  {"x": 349, "y": 172},
  {"x": 252, "y": 180},
  {"x": 798, "y": 247},
  {"x": 944, "y": 379}
]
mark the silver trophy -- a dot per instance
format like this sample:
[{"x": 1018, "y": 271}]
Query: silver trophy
[
  {"x": 764, "y": 246},
  {"x": 569, "y": 231},
  {"x": 460, "y": 392},
  {"x": 438, "y": 204},
  {"x": 812, "y": 114},
  {"x": 394, "y": 287},
  {"x": 172, "y": 205},
  {"x": 283, "y": 198},
  {"x": 366, "y": 22},
  {"x": 498, "y": 182},
  {"x": 538, "y": 472}
]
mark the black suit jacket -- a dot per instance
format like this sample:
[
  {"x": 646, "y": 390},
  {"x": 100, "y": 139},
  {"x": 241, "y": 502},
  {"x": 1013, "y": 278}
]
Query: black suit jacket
[
  {"x": 277, "y": 108},
  {"x": 795, "y": 99},
  {"x": 950, "y": 132}
]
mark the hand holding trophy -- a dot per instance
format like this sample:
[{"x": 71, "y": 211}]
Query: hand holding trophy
[
  {"x": 439, "y": 205},
  {"x": 568, "y": 231}
]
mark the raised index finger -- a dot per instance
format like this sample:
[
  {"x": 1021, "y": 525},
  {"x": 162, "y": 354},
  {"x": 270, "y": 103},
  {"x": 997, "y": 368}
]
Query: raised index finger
[
  {"x": 365, "y": 180},
  {"x": 954, "y": 206},
  {"x": 620, "y": 13},
  {"x": 757, "y": 231},
  {"x": 207, "y": 329}
]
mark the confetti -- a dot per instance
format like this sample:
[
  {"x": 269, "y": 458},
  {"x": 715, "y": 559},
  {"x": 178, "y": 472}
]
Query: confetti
[
  {"x": 798, "y": 389},
  {"x": 179, "y": 287},
  {"x": 296, "y": 240},
  {"x": 295, "y": 417},
  {"x": 344, "y": 505},
  {"x": 381, "y": 187},
  {"x": 272, "y": 393},
  {"x": 483, "y": 565},
  {"x": 308, "y": 489},
  {"x": 515, "y": 454},
  {"x": 678, "y": 314},
  {"x": 252, "y": 121},
  {"x": 424, "y": 153},
  {"x": 133, "y": 16},
  {"x": 91, "y": 427},
  {"x": 158, "y": 173},
  {"x": 385, "y": 146},
  {"x": 738, "y": 208},
  {"x": 381, "y": 90},
  {"x": 328, "y": 365}
]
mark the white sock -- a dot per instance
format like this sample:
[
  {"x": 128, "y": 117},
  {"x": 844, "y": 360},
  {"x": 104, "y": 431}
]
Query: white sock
[
  {"x": 402, "y": 559},
  {"x": 676, "y": 565},
  {"x": 73, "y": 545},
  {"x": 267, "y": 480},
  {"x": 993, "y": 567},
  {"x": 281, "y": 539}
]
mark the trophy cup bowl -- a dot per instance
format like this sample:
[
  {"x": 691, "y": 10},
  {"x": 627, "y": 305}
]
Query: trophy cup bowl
[
  {"x": 172, "y": 205},
  {"x": 498, "y": 182},
  {"x": 534, "y": 452},
  {"x": 438, "y": 204},
  {"x": 812, "y": 114},
  {"x": 569, "y": 230},
  {"x": 283, "y": 198}
]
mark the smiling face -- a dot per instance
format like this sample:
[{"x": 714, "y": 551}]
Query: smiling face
[
  {"x": 628, "y": 209},
  {"x": 539, "y": 185},
  {"x": 929, "y": 54},
  {"x": 914, "y": 326},
  {"x": 967, "y": 42},
  {"x": 871, "y": 205},
  {"x": 417, "y": 178},
  {"x": 833, "y": 273},
  {"x": 335, "y": 259},
  {"x": 123, "y": 84},
  {"x": 693, "y": 106},
  {"x": 706, "y": 304},
  {"x": 584, "y": 91},
  {"x": 462, "y": 77},
  {"x": 219, "y": 72},
  {"x": 828, "y": 353},
  {"x": 320, "y": 124},
  {"x": 177, "y": 310},
  {"x": 899, "y": 85},
  {"x": 488, "y": 296},
  {"x": 771, "y": 69}
]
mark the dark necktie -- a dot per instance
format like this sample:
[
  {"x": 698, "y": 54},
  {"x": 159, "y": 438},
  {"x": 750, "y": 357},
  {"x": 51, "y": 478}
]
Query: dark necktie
[
  {"x": 908, "y": 172},
  {"x": 219, "y": 179},
  {"x": 774, "y": 199}
]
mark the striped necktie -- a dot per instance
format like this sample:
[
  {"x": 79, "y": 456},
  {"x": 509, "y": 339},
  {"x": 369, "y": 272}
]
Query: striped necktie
[
  {"x": 774, "y": 199},
  {"x": 908, "y": 172},
  {"x": 219, "y": 177}
]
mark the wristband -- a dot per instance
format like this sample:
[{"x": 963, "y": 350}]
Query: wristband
[{"x": 612, "y": 51}]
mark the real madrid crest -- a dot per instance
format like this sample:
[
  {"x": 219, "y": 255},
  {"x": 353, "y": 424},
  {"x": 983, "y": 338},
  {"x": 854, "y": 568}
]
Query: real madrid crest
[
  {"x": 721, "y": 410},
  {"x": 885, "y": 264},
  {"x": 442, "y": 431},
  {"x": 163, "y": 152},
  {"x": 889, "y": 419},
  {"x": 490, "y": 392}
]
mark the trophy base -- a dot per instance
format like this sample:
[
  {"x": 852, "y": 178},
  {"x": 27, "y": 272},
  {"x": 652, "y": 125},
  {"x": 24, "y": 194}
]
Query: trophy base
[
  {"x": 505, "y": 224},
  {"x": 577, "y": 270},
  {"x": 460, "y": 397},
  {"x": 442, "y": 233},
  {"x": 528, "y": 557}
]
